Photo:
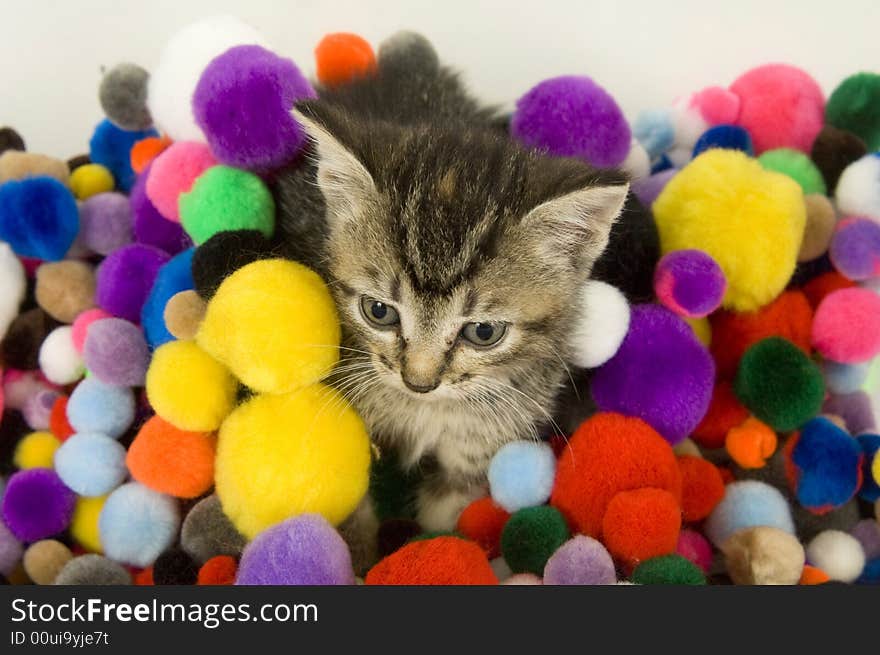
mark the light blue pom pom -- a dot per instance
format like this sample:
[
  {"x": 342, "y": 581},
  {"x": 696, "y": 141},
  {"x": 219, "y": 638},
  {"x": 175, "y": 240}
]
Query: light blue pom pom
[
  {"x": 138, "y": 524},
  {"x": 654, "y": 130},
  {"x": 748, "y": 504},
  {"x": 98, "y": 407},
  {"x": 845, "y": 378},
  {"x": 521, "y": 475},
  {"x": 91, "y": 464}
]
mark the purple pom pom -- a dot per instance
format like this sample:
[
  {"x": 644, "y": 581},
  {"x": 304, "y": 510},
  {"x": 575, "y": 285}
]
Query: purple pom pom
[
  {"x": 105, "y": 222},
  {"x": 116, "y": 352},
  {"x": 37, "y": 504},
  {"x": 126, "y": 277},
  {"x": 572, "y": 116},
  {"x": 38, "y": 407},
  {"x": 242, "y": 103},
  {"x": 648, "y": 188},
  {"x": 855, "y": 248},
  {"x": 661, "y": 374},
  {"x": 10, "y": 550},
  {"x": 304, "y": 550},
  {"x": 690, "y": 283},
  {"x": 580, "y": 561},
  {"x": 150, "y": 227},
  {"x": 854, "y": 408}
]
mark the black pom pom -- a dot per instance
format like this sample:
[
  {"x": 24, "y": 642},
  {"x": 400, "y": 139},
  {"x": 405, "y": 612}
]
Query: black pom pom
[
  {"x": 10, "y": 140},
  {"x": 80, "y": 160},
  {"x": 833, "y": 150},
  {"x": 395, "y": 533},
  {"x": 175, "y": 567},
  {"x": 224, "y": 253},
  {"x": 12, "y": 428},
  {"x": 20, "y": 347}
]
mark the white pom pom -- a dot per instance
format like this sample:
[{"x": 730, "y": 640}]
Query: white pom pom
[
  {"x": 12, "y": 286},
  {"x": 837, "y": 553},
  {"x": 688, "y": 124},
  {"x": 600, "y": 326},
  {"x": 858, "y": 189},
  {"x": 59, "y": 360},
  {"x": 185, "y": 56},
  {"x": 637, "y": 162}
]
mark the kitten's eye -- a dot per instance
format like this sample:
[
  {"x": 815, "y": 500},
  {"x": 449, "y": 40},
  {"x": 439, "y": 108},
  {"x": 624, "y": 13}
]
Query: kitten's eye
[
  {"x": 484, "y": 334},
  {"x": 378, "y": 313}
]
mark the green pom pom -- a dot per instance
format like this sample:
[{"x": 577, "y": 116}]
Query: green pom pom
[
  {"x": 531, "y": 536},
  {"x": 668, "y": 569},
  {"x": 855, "y": 106},
  {"x": 392, "y": 488},
  {"x": 223, "y": 199},
  {"x": 797, "y": 166},
  {"x": 779, "y": 384}
]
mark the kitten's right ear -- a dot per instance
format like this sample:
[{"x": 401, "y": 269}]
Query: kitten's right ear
[{"x": 342, "y": 178}]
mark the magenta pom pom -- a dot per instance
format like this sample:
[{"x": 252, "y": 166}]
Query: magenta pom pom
[
  {"x": 37, "y": 504},
  {"x": 125, "y": 279},
  {"x": 174, "y": 172},
  {"x": 150, "y": 227},
  {"x": 690, "y": 283},
  {"x": 81, "y": 325},
  {"x": 105, "y": 222},
  {"x": 572, "y": 116},
  {"x": 580, "y": 561},
  {"x": 855, "y": 248},
  {"x": 846, "y": 326},
  {"x": 242, "y": 103},
  {"x": 661, "y": 374},
  {"x": 696, "y": 548},
  {"x": 716, "y": 105},
  {"x": 116, "y": 352}
]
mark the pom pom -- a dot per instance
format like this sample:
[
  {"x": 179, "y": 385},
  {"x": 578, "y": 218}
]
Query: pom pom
[
  {"x": 483, "y": 521},
  {"x": 853, "y": 106},
  {"x": 668, "y": 569},
  {"x": 242, "y": 103},
  {"x": 105, "y": 222},
  {"x": 780, "y": 106},
  {"x": 729, "y": 137},
  {"x": 223, "y": 254},
  {"x": 59, "y": 361},
  {"x": 407, "y": 53},
  {"x": 20, "y": 347},
  {"x": 694, "y": 546},
  {"x": 36, "y": 450},
  {"x": 640, "y": 524},
  {"x": 10, "y": 140},
  {"x": 854, "y": 409},
  {"x": 65, "y": 289},
  {"x": 84, "y": 524},
  {"x": 838, "y": 554},
  {"x": 821, "y": 219},
  {"x": 125, "y": 279},
  {"x": 725, "y": 413},
  {"x": 343, "y": 57},
  {"x": 81, "y": 326},
  {"x": 690, "y": 283},
  {"x": 531, "y": 536},
  {"x": 716, "y": 105},
  {"x": 870, "y": 490},
  {"x": 636, "y": 165},
  {"x": 580, "y": 561},
  {"x": 867, "y": 532},
  {"x": 36, "y": 504},
  {"x": 13, "y": 286},
  {"x": 824, "y": 284},
  {"x": 797, "y": 166},
  {"x": 111, "y": 146},
  {"x": 137, "y": 524},
  {"x": 184, "y": 57},
  {"x": 779, "y": 384},
  {"x": 858, "y": 189},
  {"x": 572, "y": 116},
  {"x": 845, "y": 378},
  {"x": 751, "y": 444},
  {"x": 727, "y": 205},
  {"x": 661, "y": 374},
  {"x": 98, "y": 407},
  {"x": 219, "y": 570},
  {"x": 116, "y": 353},
  {"x": 175, "y": 567},
  {"x": 150, "y": 227},
  {"x": 521, "y": 474},
  {"x": 16, "y": 165},
  {"x": 91, "y": 464},
  {"x": 174, "y": 172},
  {"x": 763, "y": 555},
  {"x": 58, "y": 423},
  {"x": 855, "y": 248},
  {"x": 10, "y": 550},
  {"x": 439, "y": 561},
  {"x": 38, "y": 218},
  {"x": 184, "y": 313},
  {"x": 747, "y": 504},
  {"x": 834, "y": 150},
  {"x": 266, "y": 434},
  {"x": 846, "y": 327},
  {"x": 89, "y": 180},
  {"x": 172, "y": 461},
  {"x": 601, "y": 326},
  {"x": 701, "y": 487},
  {"x": 305, "y": 550},
  {"x": 173, "y": 277},
  {"x": 207, "y": 532},
  {"x": 146, "y": 150},
  {"x": 297, "y": 347},
  {"x": 123, "y": 96},
  {"x": 44, "y": 560},
  {"x": 92, "y": 570}
]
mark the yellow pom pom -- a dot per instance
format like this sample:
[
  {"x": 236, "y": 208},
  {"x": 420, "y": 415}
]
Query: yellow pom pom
[
  {"x": 36, "y": 450},
  {"x": 189, "y": 388},
  {"x": 89, "y": 180},
  {"x": 750, "y": 220},
  {"x": 84, "y": 524},
  {"x": 274, "y": 324},
  {"x": 702, "y": 329},
  {"x": 282, "y": 455},
  {"x": 875, "y": 470}
]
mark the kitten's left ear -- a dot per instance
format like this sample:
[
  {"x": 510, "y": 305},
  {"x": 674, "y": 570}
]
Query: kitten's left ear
[{"x": 577, "y": 225}]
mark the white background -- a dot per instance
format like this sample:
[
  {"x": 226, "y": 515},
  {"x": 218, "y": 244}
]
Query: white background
[{"x": 645, "y": 52}]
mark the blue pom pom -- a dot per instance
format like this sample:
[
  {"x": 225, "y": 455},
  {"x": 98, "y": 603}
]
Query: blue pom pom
[
  {"x": 110, "y": 146},
  {"x": 871, "y": 572},
  {"x": 137, "y": 524},
  {"x": 828, "y": 462},
  {"x": 842, "y": 379},
  {"x": 521, "y": 475},
  {"x": 655, "y": 131},
  {"x": 98, "y": 407},
  {"x": 38, "y": 217},
  {"x": 91, "y": 464},
  {"x": 662, "y": 164},
  {"x": 748, "y": 504},
  {"x": 729, "y": 137},
  {"x": 173, "y": 277},
  {"x": 870, "y": 444}
]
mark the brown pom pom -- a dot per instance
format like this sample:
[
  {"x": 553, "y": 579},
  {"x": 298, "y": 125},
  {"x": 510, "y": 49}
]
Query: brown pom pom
[
  {"x": 20, "y": 347},
  {"x": 820, "y": 226},
  {"x": 17, "y": 165},
  {"x": 833, "y": 150},
  {"x": 65, "y": 289},
  {"x": 10, "y": 140},
  {"x": 80, "y": 160},
  {"x": 44, "y": 560},
  {"x": 763, "y": 555},
  {"x": 184, "y": 313}
]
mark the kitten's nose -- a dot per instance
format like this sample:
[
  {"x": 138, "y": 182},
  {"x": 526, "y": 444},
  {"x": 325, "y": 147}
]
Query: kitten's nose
[{"x": 420, "y": 388}]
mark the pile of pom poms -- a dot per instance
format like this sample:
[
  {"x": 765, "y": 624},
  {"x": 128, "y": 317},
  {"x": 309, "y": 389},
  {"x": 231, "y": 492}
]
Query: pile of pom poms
[{"x": 165, "y": 427}]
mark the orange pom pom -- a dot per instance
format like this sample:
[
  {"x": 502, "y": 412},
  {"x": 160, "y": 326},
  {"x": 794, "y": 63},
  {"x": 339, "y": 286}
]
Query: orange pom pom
[
  {"x": 146, "y": 150},
  {"x": 820, "y": 286},
  {"x": 171, "y": 460},
  {"x": 483, "y": 521},
  {"x": 751, "y": 444},
  {"x": 725, "y": 412},
  {"x": 813, "y": 575},
  {"x": 342, "y": 57},
  {"x": 607, "y": 454},
  {"x": 58, "y": 423},
  {"x": 702, "y": 487},
  {"x": 641, "y": 524},
  {"x": 789, "y": 316},
  {"x": 144, "y": 577},
  {"x": 438, "y": 561},
  {"x": 219, "y": 570}
]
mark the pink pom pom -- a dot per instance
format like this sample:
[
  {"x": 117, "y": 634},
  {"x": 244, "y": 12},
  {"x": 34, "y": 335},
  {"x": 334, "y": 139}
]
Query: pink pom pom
[
  {"x": 695, "y": 547},
  {"x": 781, "y": 107},
  {"x": 174, "y": 172},
  {"x": 716, "y": 105},
  {"x": 846, "y": 326},
  {"x": 81, "y": 326}
]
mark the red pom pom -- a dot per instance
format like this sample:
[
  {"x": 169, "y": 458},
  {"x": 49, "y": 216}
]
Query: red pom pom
[
  {"x": 483, "y": 521},
  {"x": 607, "y": 454},
  {"x": 58, "y": 423},
  {"x": 343, "y": 57},
  {"x": 820, "y": 286},
  {"x": 641, "y": 524},
  {"x": 438, "y": 561},
  {"x": 701, "y": 487},
  {"x": 144, "y": 577},
  {"x": 725, "y": 412},
  {"x": 219, "y": 570}
]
